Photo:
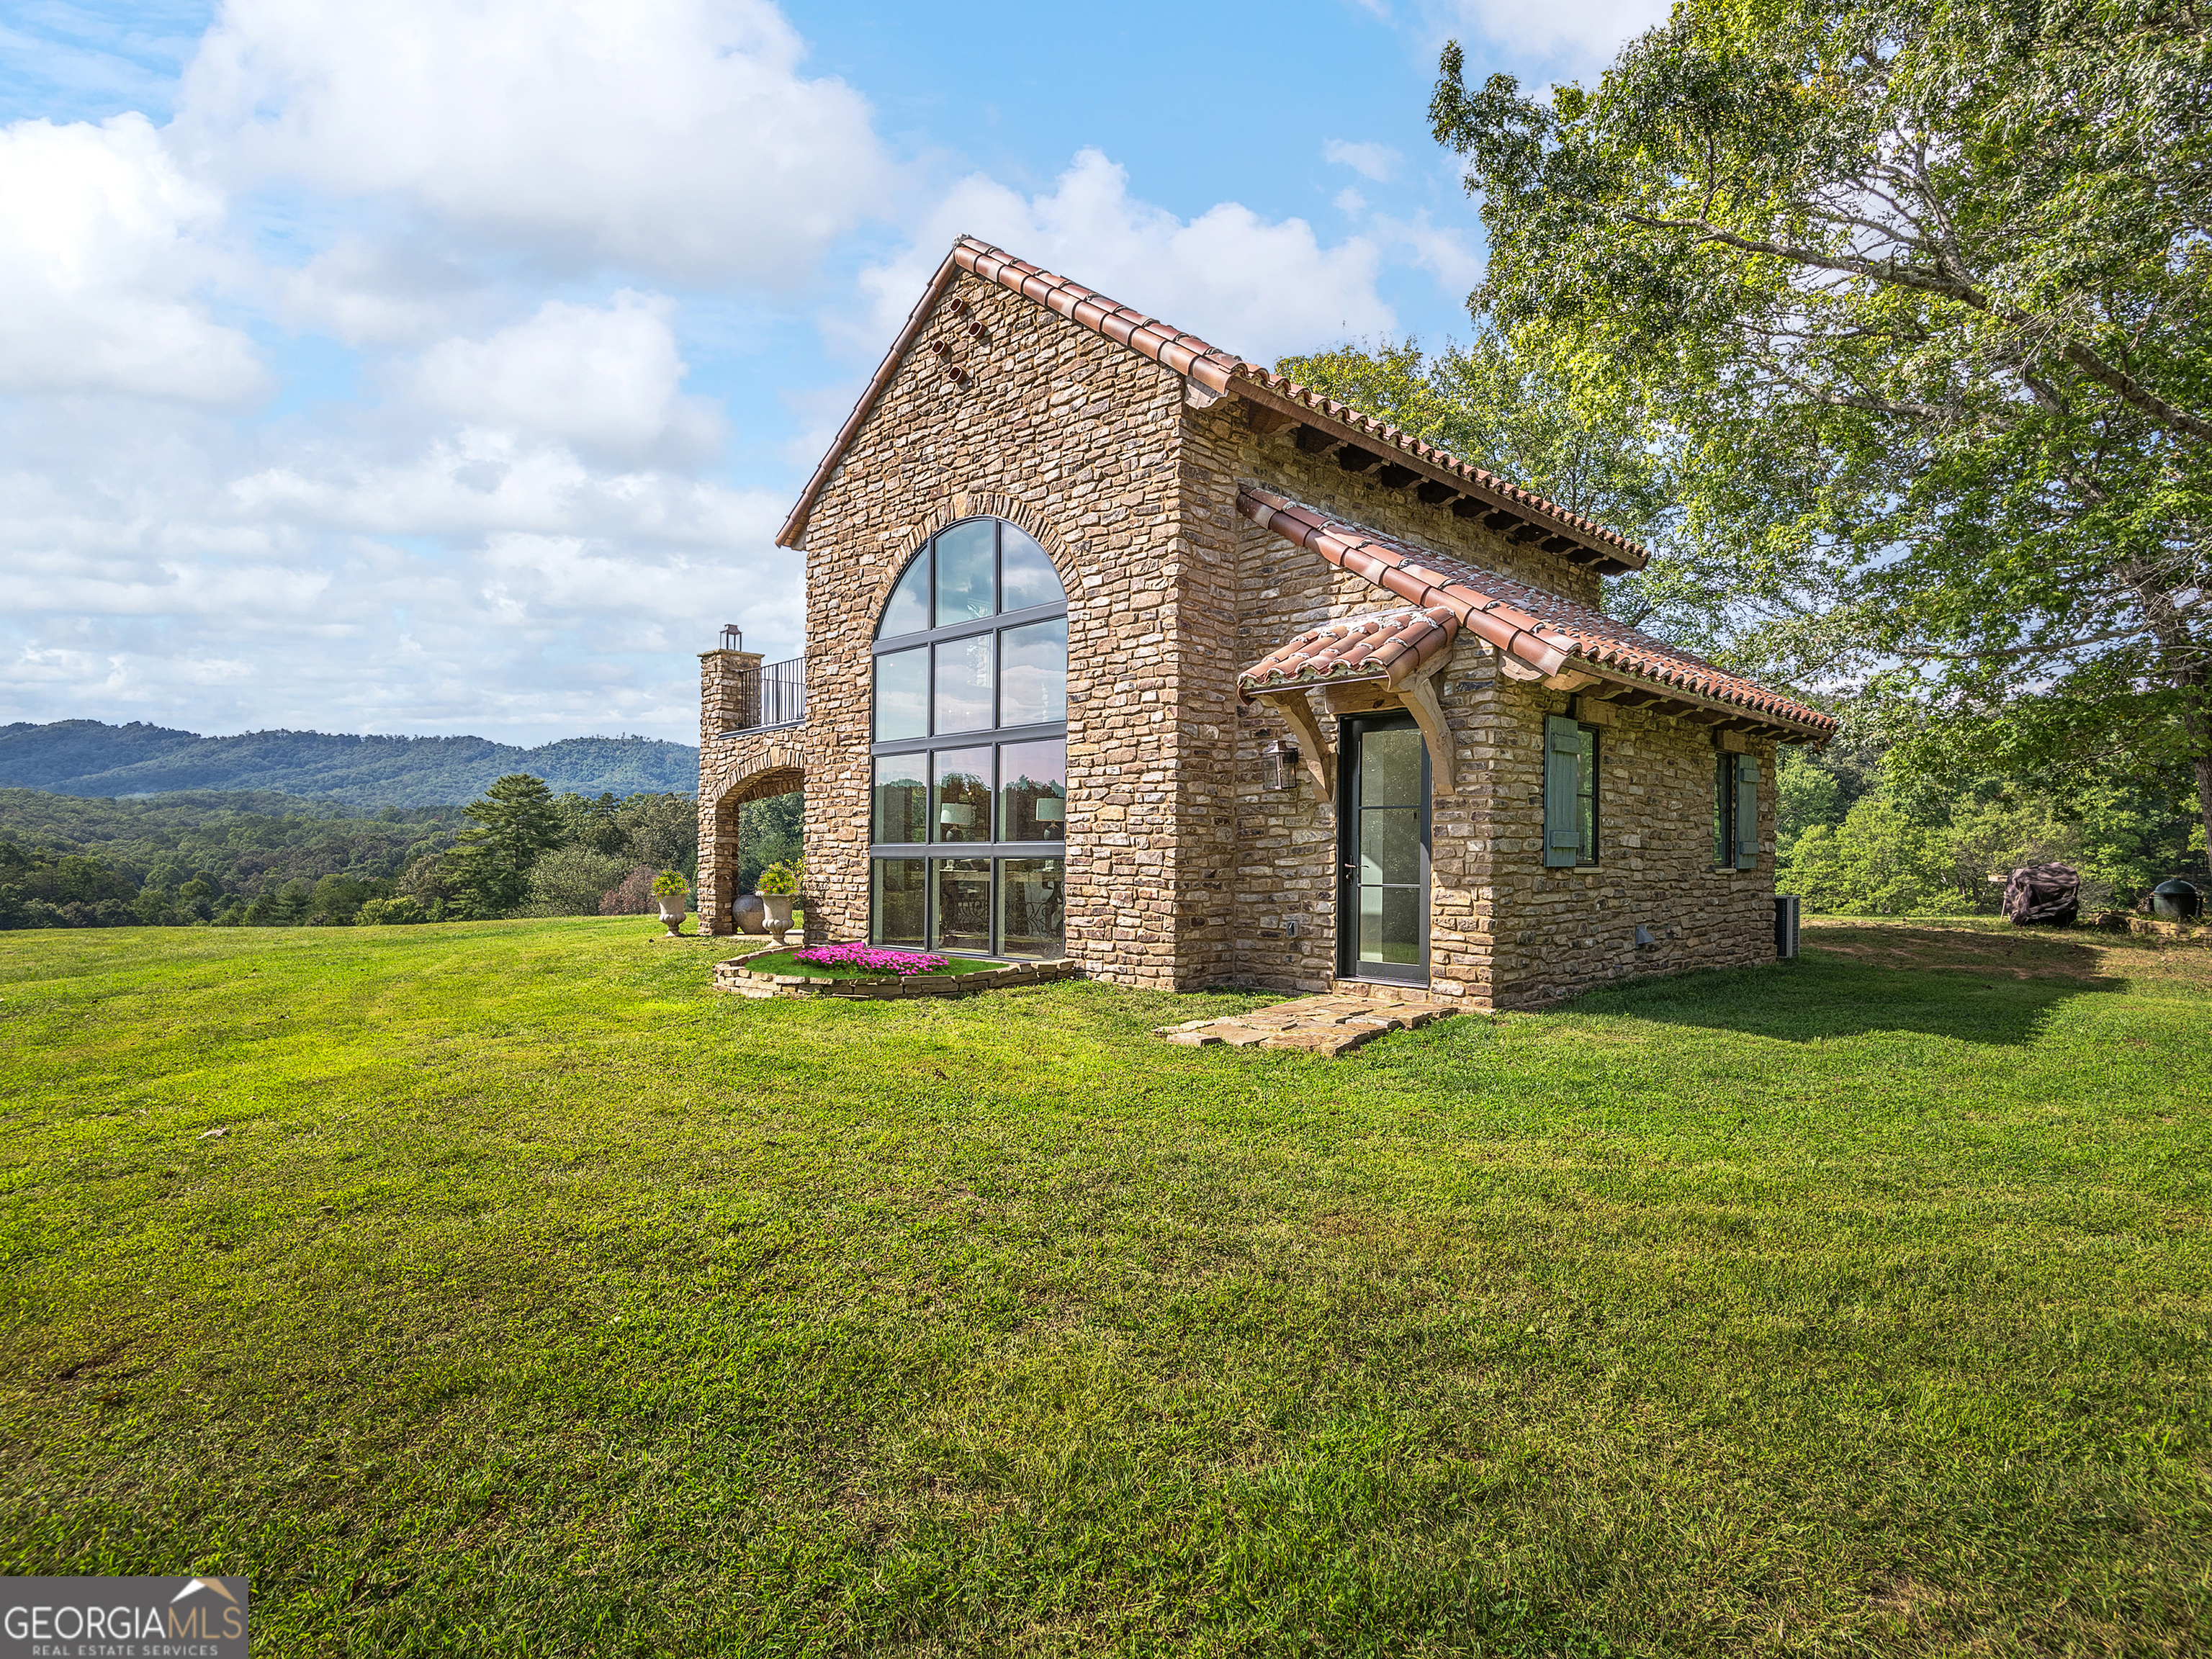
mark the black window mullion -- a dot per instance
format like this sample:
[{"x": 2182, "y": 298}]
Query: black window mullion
[
  {"x": 1035, "y": 613},
  {"x": 996, "y": 850},
  {"x": 991, "y": 926},
  {"x": 931, "y": 851}
]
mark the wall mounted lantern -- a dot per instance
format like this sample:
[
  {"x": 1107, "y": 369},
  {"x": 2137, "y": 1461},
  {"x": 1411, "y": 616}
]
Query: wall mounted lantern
[{"x": 1278, "y": 765}]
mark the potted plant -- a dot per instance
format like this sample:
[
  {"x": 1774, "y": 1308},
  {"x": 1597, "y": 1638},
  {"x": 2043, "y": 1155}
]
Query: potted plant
[
  {"x": 778, "y": 884},
  {"x": 669, "y": 889}
]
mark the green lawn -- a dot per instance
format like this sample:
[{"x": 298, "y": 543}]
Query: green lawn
[{"x": 536, "y": 1300}]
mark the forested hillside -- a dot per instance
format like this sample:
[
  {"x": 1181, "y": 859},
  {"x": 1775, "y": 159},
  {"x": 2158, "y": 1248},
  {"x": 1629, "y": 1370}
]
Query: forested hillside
[
  {"x": 89, "y": 757},
  {"x": 180, "y": 858}
]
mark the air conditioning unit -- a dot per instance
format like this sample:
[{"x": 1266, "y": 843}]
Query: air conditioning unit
[{"x": 1785, "y": 926}]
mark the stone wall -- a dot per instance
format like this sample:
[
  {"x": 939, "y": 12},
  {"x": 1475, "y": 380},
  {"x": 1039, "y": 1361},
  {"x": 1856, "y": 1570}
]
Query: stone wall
[
  {"x": 1503, "y": 929},
  {"x": 1181, "y": 870},
  {"x": 734, "y": 768},
  {"x": 1072, "y": 438}
]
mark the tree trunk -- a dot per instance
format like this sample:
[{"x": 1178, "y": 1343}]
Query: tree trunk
[{"x": 2196, "y": 728}]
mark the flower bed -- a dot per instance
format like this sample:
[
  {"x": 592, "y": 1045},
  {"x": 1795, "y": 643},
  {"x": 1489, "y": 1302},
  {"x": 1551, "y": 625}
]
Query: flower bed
[
  {"x": 789, "y": 973},
  {"x": 871, "y": 959},
  {"x": 860, "y": 961}
]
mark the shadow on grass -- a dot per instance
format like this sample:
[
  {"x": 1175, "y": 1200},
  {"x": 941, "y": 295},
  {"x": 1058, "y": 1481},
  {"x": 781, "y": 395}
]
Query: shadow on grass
[{"x": 1969, "y": 989}]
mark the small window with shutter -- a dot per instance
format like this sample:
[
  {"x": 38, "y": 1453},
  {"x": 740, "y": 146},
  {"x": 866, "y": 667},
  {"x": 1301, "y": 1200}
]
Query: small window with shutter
[
  {"x": 1570, "y": 793},
  {"x": 1747, "y": 813},
  {"x": 1736, "y": 812}
]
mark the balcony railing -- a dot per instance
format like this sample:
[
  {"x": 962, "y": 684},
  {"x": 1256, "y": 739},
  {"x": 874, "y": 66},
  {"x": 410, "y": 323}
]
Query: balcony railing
[{"x": 775, "y": 694}]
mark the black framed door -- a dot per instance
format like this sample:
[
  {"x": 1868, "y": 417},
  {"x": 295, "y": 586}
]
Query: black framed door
[{"x": 1383, "y": 850}]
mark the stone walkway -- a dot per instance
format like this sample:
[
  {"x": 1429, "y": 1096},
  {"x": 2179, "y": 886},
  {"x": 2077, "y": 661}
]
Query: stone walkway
[{"x": 1321, "y": 1025}]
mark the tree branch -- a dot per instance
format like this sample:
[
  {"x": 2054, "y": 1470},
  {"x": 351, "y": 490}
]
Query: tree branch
[{"x": 2123, "y": 385}]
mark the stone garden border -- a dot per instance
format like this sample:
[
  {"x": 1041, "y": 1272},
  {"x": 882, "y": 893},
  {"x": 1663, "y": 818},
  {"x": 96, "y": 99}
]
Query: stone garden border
[{"x": 734, "y": 976}]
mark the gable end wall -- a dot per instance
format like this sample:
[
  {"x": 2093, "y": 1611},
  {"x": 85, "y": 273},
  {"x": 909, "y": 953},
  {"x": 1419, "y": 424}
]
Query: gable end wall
[{"x": 1074, "y": 438}]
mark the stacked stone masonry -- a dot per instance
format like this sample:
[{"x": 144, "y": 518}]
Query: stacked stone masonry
[{"x": 1181, "y": 872}]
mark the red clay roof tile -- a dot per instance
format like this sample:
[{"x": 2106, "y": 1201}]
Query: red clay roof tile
[
  {"x": 1544, "y": 630},
  {"x": 1185, "y": 354},
  {"x": 1389, "y": 646}
]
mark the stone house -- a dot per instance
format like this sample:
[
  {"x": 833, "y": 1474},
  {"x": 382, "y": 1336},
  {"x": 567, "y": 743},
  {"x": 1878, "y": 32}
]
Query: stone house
[{"x": 1123, "y": 649}]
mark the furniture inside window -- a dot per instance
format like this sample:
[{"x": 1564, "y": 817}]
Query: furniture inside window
[{"x": 968, "y": 844}]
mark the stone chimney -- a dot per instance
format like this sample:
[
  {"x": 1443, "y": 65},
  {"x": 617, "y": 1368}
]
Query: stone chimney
[{"x": 729, "y": 694}]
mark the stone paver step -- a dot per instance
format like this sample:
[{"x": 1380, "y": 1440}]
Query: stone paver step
[{"x": 1328, "y": 1025}]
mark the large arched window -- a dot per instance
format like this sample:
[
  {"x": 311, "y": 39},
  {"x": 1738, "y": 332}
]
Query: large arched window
[{"x": 970, "y": 802}]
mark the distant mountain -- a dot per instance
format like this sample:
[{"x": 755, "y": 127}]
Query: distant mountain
[{"x": 89, "y": 758}]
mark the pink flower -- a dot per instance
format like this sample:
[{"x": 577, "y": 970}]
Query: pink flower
[{"x": 869, "y": 959}]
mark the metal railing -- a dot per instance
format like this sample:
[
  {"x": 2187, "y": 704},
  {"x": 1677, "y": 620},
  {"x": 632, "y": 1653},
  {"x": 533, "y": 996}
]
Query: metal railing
[{"x": 775, "y": 694}]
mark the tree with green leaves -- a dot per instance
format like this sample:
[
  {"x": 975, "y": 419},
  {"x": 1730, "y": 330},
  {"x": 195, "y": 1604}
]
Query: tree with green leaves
[
  {"x": 1917, "y": 291},
  {"x": 511, "y": 825},
  {"x": 1522, "y": 415}
]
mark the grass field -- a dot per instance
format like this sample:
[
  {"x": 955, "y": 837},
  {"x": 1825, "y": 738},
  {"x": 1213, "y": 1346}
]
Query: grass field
[{"x": 534, "y": 1300}]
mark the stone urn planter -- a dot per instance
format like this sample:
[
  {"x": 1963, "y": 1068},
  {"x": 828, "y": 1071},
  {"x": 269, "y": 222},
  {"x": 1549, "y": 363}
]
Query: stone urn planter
[
  {"x": 672, "y": 894},
  {"x": 749, "y": 912},
  {"x": 779, "y": 890}
]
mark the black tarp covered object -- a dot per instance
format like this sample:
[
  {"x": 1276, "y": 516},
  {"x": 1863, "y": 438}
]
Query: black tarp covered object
[{"x": 2042, "y": 895}]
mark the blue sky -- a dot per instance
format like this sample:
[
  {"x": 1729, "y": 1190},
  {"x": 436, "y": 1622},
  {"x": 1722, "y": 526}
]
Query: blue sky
[{"x": 436, "y": 366}]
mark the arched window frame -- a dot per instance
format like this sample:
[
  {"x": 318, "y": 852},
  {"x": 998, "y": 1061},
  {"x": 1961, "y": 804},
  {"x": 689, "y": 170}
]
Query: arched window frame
[{"x": 1030, "y": 860}]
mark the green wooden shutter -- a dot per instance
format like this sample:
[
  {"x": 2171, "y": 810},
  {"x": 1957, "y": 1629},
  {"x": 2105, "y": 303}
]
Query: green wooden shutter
[
  {"x": 1747, "y": 813},
  {"x": 1563, "y": 833}
]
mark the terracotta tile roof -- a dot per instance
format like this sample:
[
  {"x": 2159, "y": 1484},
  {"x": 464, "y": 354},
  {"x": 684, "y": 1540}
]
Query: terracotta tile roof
[
  {"x": 1541, "y": 630},
  {"x": 1388, "y": 647},
  {"x": 1209, "y": 366}
]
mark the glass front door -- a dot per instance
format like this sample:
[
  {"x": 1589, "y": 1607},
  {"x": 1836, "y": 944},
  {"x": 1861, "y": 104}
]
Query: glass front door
[{"x": 1384, "y": 851}]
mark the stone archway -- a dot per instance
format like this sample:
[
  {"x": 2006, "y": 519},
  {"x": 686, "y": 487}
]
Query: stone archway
[{"x": 754, "y": 774}]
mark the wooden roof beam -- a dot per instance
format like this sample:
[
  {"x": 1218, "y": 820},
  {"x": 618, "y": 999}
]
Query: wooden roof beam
[{"x": 1266, "y": 422}]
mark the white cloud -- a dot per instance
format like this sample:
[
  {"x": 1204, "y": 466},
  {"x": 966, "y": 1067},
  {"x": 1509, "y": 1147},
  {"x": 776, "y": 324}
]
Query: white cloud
[
  {"x": 483, "y": 480},
  {"x": 608, "y": 378},
  {"x": 369, "y": 291},
  {"x": 152, "y": 566},
  {"x": 1428, "y": 246},
  {"x": 1591, "y": 28},
  {"x": 100, "y": 256},
  {"x": 1375, "y": 162},
  {"x": 1248, "y": 285},
  {"x": 674, "y": 136}
]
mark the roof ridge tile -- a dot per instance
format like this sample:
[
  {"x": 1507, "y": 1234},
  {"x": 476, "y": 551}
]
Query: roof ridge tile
[{"x": 1182, "y": 352}]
